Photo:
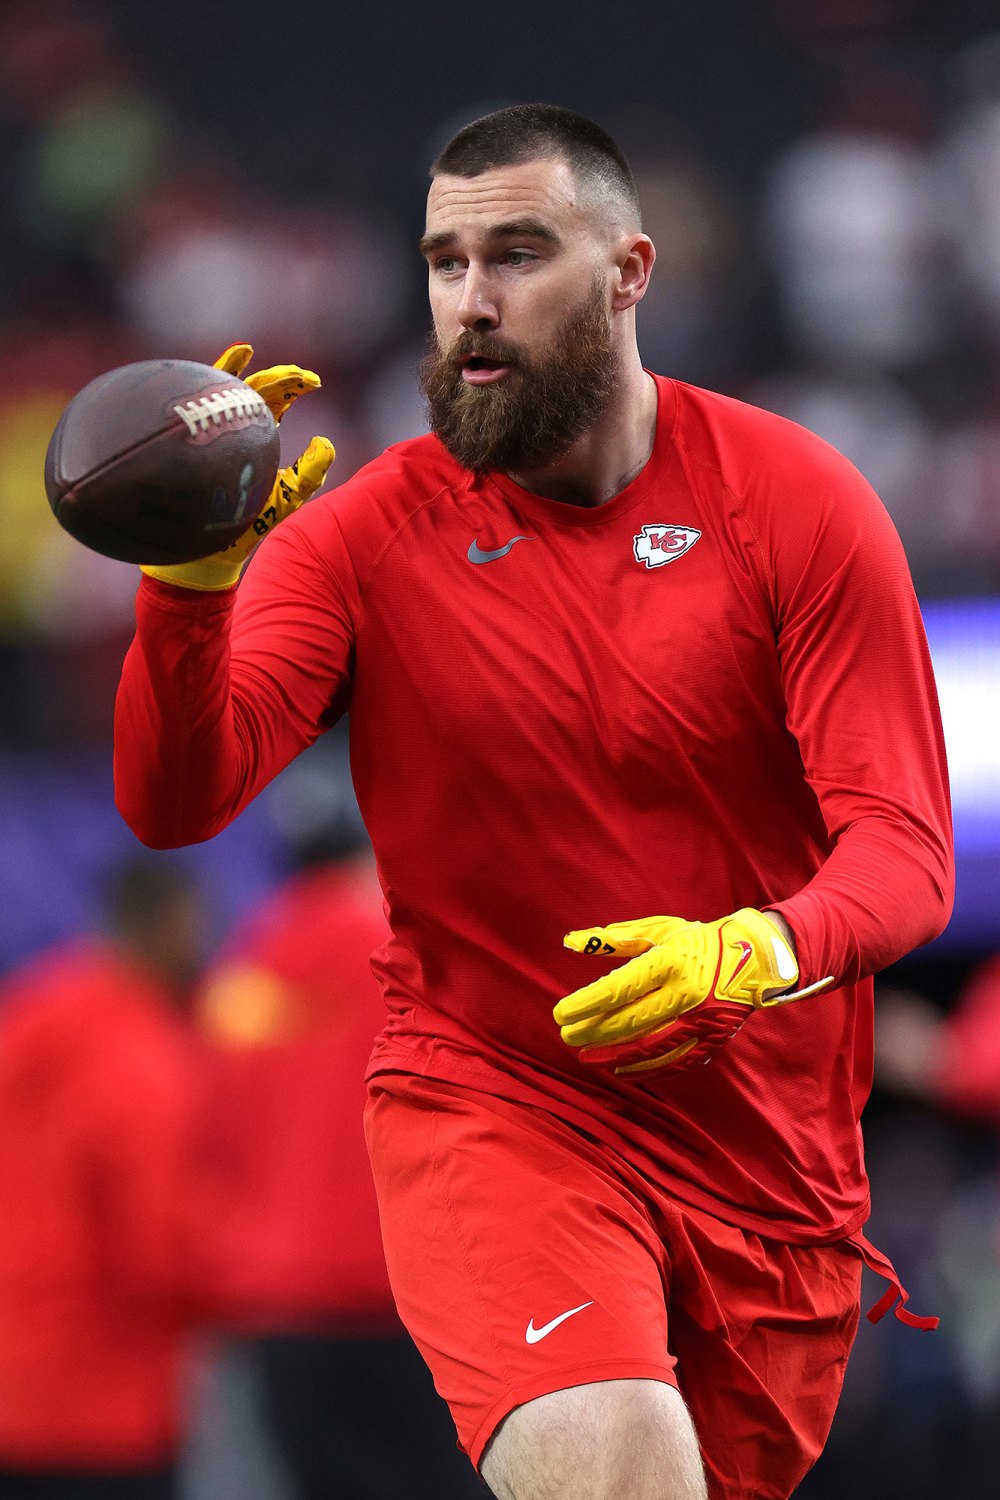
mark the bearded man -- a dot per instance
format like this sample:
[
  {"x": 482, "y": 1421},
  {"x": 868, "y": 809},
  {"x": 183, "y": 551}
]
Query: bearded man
[{"x": 611, "y": 645}]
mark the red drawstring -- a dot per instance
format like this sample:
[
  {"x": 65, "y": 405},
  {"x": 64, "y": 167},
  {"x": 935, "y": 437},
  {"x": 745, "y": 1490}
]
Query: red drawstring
[{"x": 883, "y": 1266}]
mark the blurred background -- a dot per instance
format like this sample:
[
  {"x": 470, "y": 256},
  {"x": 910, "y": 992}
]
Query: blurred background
[{"x": 822, "y": 182}]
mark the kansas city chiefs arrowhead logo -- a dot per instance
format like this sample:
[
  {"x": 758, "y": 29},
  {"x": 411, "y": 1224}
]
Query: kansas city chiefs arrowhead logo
[{"x": 659, "y": 544}]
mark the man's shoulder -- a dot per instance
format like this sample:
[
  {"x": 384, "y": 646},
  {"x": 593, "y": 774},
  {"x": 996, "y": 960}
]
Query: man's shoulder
[
  {"x": 389, "y": 488},
  {"x": 416, "y": 463},
  {"x": 751, "y": 448},
  {"x": 792, "y": 486},
  {"x": 347, "y": 530}
]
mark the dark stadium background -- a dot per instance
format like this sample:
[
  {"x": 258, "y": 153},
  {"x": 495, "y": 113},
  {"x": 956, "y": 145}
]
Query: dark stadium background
[{"x": 823, "y": 183}]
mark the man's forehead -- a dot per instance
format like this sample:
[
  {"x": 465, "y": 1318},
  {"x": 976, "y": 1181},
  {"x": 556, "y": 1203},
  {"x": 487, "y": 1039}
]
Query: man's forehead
[{"x": 544, "y": 189}]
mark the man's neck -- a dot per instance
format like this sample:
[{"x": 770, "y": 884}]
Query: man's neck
[{"x": 606, "y": 459}]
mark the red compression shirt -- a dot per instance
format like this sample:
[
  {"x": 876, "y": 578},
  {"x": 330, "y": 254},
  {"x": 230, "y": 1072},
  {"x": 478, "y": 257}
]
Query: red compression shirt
[{"x": 713, "y": 691}]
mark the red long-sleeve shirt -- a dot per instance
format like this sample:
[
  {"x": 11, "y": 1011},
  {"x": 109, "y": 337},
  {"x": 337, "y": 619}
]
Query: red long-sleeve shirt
[{"x": 712, "y": 691}]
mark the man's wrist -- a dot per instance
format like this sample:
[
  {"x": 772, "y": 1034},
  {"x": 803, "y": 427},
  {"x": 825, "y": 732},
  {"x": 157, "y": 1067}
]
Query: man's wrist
[{"x": 777, "y": 920}]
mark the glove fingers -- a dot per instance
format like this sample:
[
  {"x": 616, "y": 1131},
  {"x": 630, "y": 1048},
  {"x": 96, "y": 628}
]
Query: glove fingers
[
  {"x": 295, "y": 484},
  {"x": 623, "y": 985},
  {"x": 234, "y": 360},
  {"x": 627, "y": 938},
  {"x": 658, "y": 1050},
  {"x": 280, "y": 385},
  {"x": 615, "y": 1027},
  {"x": 309, "y": 470},
  {"x": 689, "y": 1040},
  {"x": 687, "y": 1054}
]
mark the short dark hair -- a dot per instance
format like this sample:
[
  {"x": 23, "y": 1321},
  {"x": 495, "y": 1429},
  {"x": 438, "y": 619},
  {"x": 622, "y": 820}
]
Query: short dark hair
[{"x": 527, "y": 132}]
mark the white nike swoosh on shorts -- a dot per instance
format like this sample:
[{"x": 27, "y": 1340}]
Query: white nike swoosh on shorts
[{"x": 533, "y": 1334}]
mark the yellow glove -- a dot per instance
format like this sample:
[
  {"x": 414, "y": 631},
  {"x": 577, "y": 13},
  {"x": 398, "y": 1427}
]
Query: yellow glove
[
  {"x": 279, "y": 385},
  {"x": 688, "y": 988}
]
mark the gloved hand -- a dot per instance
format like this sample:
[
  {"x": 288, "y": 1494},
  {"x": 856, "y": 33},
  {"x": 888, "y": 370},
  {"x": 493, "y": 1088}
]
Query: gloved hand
[
  {"x": 279, "y": 385},
  {"x": 688, "y": 988}
]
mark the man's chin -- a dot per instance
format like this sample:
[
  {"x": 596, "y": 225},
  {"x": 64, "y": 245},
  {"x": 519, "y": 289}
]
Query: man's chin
[
  {"x": 475, "y": 459},
  {"x": 501, "y": 458}
]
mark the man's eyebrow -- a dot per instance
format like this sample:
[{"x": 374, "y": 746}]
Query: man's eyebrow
[{"x": 527, "y": 228}]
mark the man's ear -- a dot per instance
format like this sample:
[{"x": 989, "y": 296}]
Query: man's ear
[{"x": 635, "y": 259}]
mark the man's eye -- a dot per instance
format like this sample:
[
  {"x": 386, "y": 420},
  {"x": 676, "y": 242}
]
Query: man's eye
[
  {"x": 518, "y": 257},
  {"x": 445, "y": 263}
]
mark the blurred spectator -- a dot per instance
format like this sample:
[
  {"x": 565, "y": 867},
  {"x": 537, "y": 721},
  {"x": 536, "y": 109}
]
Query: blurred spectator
[
  {"x": 100, "y": 1275},
  {"x": 98, "y": 137},
  {"x": 951, "y": 1060},
  {"x": 292, "y": 1010},
  {"x": 855, "y": 229},
  {"x": 869, "y": 224},
  {"x": 971, "y": 160},
  {"x": 938, "y": 481},
  {"x": 203, "y": 255}
]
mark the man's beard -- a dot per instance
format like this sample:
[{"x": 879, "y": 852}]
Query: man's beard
[{"x": 538, "y": 409}]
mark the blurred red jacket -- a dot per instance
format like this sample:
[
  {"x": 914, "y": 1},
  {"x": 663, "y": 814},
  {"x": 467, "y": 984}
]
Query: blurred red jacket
[
  {"x": 99, "y": 1098},
  {"x": 968, "y": 1076},
  {"x": 292, "y": 1010}
]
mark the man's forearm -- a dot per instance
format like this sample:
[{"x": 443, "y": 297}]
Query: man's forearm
[
  {"x": 178, "y": 764},
  {"x": 886, "y": 888}
]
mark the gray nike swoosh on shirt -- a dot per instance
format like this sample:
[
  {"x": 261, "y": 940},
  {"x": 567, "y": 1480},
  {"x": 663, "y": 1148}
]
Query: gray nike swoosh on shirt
[{"x": 476, "y": 555}]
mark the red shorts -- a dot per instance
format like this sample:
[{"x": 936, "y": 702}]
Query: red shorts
[{"x": 525, "y": 1259}]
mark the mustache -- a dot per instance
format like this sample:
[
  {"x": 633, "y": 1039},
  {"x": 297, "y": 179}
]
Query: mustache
[{"x": 480, "y": 346}]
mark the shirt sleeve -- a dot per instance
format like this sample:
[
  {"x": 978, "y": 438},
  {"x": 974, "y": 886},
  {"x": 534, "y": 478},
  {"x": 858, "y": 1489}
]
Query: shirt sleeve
[
  {"x": 862, "y": 704},
  {"x": 220, "y": 691}
]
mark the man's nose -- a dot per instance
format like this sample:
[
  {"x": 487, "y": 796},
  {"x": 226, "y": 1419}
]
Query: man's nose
[{"x": 477, "y": 306}]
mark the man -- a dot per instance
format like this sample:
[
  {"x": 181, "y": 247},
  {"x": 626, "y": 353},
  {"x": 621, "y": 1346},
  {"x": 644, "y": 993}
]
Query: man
[
  {"x": 100, "y": 1097},
  {"x": 611, "y": 645}
]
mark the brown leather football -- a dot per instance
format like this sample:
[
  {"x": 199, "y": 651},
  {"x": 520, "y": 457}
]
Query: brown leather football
[{"x": 162, "y": 461}]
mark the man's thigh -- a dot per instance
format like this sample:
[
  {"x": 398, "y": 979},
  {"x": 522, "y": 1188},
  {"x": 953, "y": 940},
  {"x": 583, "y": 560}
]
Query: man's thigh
[
  {"x": 762, "y": 1332},
  {"x": 520, "y": 1263},
  {"x": 615, "y": 1439}
]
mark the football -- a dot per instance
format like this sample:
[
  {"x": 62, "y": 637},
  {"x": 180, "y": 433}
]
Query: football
[{"x": 163, "y": 461}]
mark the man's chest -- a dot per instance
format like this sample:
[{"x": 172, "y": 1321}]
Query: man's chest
[{"x": 614, "y": 640}]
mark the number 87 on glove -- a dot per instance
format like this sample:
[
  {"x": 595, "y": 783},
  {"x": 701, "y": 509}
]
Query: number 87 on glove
[{"x": 687, "y": 989}]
